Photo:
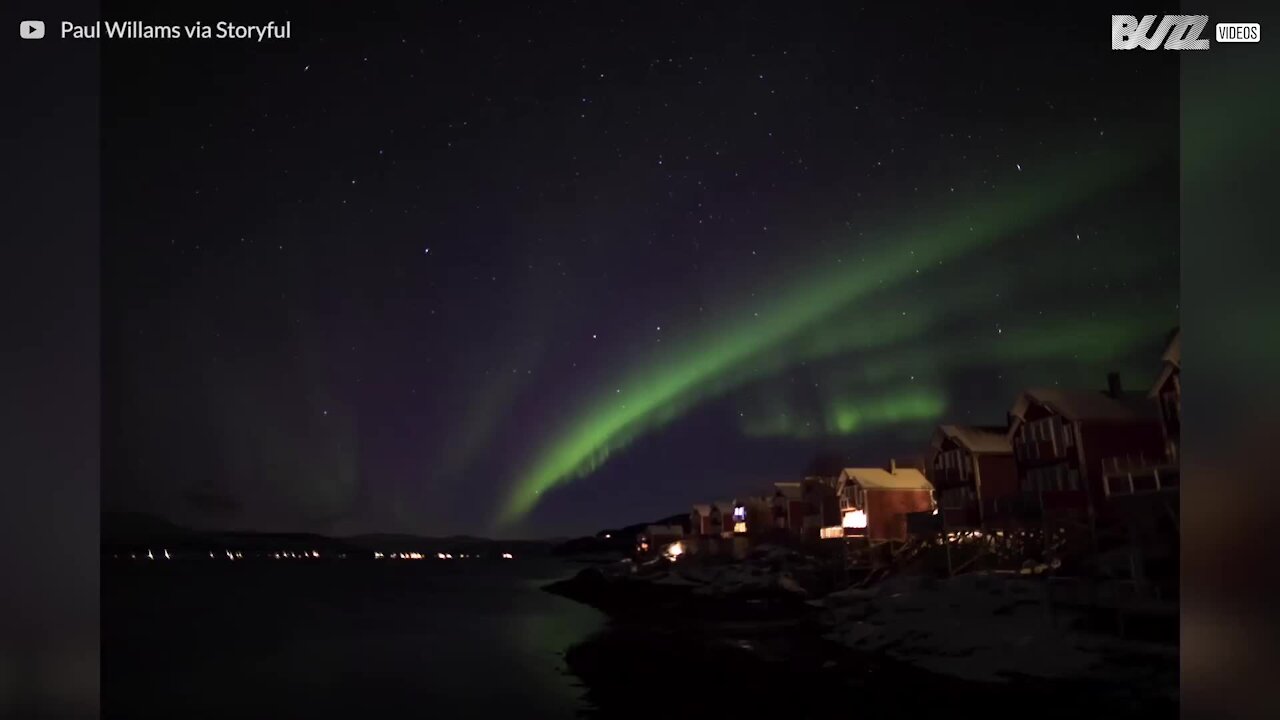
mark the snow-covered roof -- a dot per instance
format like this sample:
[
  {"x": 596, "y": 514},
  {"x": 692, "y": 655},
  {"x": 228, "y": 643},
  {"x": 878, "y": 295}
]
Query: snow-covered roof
[
  {"x": 881, "y": 479},
  {"x": 1086, "y": 404},
  {"x": 790, "y": 490},
  {"x": 974, "y": 438}
]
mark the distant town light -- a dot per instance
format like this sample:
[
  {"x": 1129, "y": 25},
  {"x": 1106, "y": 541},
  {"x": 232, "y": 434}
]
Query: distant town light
[{"x": 507, "y": 556}]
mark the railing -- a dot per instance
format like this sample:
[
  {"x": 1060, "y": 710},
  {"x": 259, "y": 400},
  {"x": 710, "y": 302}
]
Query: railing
[
  {"x": 1128, "y": 463},
  {"x": 1035, "y": 451},
  {"x": 1144, "y": 481}
]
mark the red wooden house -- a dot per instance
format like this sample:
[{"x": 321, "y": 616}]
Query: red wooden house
[
  {"x": 1061, "y": 438},
  {"x": 704, "y": 520},
  {"x": 1144, "y": 473},
  {"x": 875, "y": 502},
  {"x": 1167, "y": 392},
  {"x": 789, "y": 506},
  {"x": 972, "y": 467}
]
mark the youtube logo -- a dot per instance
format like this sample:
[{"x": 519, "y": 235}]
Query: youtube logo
[{"x": 31, "y": 29}]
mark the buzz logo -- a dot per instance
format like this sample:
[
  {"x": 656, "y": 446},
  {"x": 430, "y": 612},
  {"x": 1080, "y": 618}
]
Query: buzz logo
[{"x": 1177, "y": 32}]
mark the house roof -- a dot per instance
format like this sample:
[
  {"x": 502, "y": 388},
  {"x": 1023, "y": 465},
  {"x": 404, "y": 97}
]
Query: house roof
[
  {"x": 1173, "y": 351},
  {"x": 881, "y": 479},
  {"x": 702, "y": 508},
  {"x": 724, "y": 506},
  {"x": 1086, "y": 404},
  {"x": 791, "y": 490},
  {"x": 974, "y": 438},
  {"x": 1172, "y": 358}
]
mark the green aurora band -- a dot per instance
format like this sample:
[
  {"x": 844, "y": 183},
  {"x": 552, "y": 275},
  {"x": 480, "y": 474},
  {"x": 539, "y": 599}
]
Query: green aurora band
[{"x": 799, "y": 325}]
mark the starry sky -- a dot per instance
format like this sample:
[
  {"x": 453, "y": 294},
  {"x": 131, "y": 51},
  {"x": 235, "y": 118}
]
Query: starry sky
[{"x": 536, "y": 270}]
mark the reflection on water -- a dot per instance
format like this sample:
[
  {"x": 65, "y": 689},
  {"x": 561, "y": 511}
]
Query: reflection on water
[{"x": 339, "y": 640}]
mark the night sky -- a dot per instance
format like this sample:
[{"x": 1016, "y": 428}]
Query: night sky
[{"x": 538, "y": 270}]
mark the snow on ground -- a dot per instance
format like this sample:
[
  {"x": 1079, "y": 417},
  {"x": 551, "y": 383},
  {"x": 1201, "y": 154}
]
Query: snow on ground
[
  {"x": 766, "y": 568},
  {"x": 977, "y": 626}
]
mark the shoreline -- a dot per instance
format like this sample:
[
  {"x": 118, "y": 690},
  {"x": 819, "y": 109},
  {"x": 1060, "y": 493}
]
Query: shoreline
[{"x": 666, "y": 648}]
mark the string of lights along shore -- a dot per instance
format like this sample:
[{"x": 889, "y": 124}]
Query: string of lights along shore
[{"x": 455, "y": 268}]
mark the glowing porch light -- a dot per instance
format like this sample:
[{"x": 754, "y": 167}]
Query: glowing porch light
[
  {"x": 854, "y": 519},
  {"x": 674, "y": 550}
]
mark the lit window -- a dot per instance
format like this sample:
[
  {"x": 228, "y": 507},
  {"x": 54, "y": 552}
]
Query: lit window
[
  {"x": 740, "y": 527},
  {"x": 854, "y": 519}
]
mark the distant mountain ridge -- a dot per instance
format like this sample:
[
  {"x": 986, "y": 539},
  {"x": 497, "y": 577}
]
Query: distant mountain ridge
[
  {"x": 615, "y": 540},
  {"x": 131, "y": 531}
]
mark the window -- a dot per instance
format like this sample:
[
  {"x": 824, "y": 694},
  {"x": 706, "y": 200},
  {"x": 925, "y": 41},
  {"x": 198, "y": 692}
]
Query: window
[{"x": 854, "y": 519}]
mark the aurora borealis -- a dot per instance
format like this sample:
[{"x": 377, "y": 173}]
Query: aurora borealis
[
  {"x": 817, "y": 316},
  {"x": 541, "y": 271}
]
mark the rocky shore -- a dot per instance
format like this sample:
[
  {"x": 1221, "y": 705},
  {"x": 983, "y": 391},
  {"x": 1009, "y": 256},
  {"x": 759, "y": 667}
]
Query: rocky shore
[{"x": 715, "y": 631}]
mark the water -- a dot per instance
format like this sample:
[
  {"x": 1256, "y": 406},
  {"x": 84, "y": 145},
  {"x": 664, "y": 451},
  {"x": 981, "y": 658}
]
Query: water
[{"x": 278, "y": 639}]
